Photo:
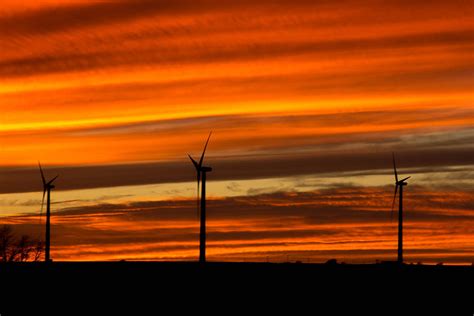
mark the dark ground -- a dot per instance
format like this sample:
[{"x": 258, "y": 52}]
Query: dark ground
[{"x": 245, "y": 286}]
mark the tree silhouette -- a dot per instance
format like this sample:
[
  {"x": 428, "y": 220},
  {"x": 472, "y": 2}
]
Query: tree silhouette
[{"x": 21, "y": 249}]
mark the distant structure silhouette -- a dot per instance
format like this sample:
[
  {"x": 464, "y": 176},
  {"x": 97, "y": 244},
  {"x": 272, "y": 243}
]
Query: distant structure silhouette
[
  {"x": 47, "y": 187},
  {"x": 201, "y": 172},
  {"x": 399, "y": 184}
]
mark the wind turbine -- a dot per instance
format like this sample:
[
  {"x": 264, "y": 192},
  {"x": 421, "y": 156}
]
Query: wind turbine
[
  {"x": 47, "y": 187},
  {"x": 399, "y": 184},
  {"x": 201, "y": 172}
]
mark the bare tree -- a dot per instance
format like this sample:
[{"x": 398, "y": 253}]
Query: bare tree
[
  {"x": 38, "y": 250},
  {"x": 18, "y": 250},
  {"x": 6, "y": 237},
  {"x": 25, "y": 248}
]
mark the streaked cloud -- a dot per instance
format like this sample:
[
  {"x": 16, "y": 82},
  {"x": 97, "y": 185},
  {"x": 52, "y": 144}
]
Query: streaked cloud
[
  {"x": 307, "y": 99},
  {"x": 345, "y": 221}
]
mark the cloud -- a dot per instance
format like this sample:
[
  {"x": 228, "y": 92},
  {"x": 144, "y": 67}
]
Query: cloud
[
  {"x": 106, "y": 77},
  {"x": 232, "y": 168},
  {"x": 88, "y": 14},
  {"x": 118, "y": 92},
  {"x": 163, "y": 55},
  {"x": 344, "y": 221},
  {"x": 95, "y": 13},
  {"x": 252, "y": 147}
]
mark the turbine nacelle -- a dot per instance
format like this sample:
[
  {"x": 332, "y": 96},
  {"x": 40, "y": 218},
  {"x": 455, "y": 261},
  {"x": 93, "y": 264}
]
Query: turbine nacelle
[
  {"x": 398, "y": 183},
  {"x": 198, "y": 165},
  {"x": 403, "y": 181},
  {"x": 47, "y": 186},
  {"x": 50, "y": 184},
  {"x": 200, "y": 168}
]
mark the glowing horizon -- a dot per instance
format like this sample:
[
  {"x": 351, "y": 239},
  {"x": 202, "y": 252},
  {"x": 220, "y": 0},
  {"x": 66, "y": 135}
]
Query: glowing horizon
[{"x": 303, "y": 98}]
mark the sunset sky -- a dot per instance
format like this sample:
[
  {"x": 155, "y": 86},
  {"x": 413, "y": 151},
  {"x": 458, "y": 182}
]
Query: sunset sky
[{"x": 307, "y": 100}]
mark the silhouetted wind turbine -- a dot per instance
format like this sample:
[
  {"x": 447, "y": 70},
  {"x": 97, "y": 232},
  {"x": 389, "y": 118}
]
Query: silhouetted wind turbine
[
  {"x": 201, "y": 177},
  {"x": 401, "y": 184},
  {"x": 47, "y": 187}
]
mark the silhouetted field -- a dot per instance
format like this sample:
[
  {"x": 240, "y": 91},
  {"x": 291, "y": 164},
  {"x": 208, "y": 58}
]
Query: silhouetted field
[
  {"x": 241, "y": 283},
  {"x": 236, "y": 272},
  {"x": 171, "y": 270}
]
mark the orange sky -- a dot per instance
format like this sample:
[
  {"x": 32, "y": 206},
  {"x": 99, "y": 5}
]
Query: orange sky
[{"x": 115, "y": 94}]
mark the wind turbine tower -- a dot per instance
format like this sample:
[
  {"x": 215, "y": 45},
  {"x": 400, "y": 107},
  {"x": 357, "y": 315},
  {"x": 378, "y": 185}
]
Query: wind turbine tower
[
  {"x": 399, "y": 184},
  {"x": 47, "y": 187},
  {"x": 201, "y": 172}
]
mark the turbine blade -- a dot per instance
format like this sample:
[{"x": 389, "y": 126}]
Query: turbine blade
[
  {"x": 52, "y": 180},
  {"x": 42, "y": 174},
  {"x": 394, "y": 168},
  {"x": 204, "y": 151},
  {"x": 196, "y": 165},
  {"x": 42, "y": 204},
  {"x": 197, "y": 195},
  {"x": 393, "y": 202},
  {"x": 404, "y": 179}
]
